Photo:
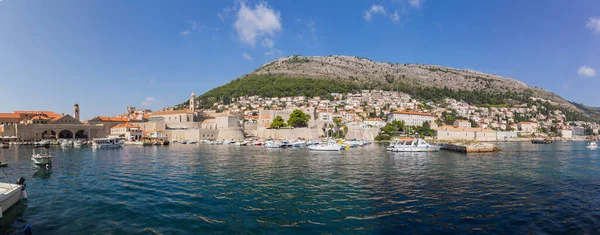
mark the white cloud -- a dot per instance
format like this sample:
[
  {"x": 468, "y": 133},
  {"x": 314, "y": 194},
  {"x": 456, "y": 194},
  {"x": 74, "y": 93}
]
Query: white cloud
[
  {"x": 148, "y": 101},
  {"x": 246, "y": 56},
  {"x": 566, "y": 86},
  {"x": 416, "y": 3},
  {"x": 185, "y": 33},
  {"x": 375, "y": 9},
  {"x": 395, "y": 17},
  {"x": 268, "y": 43},
  {"x": 593, "y": 24},
  {"x": 253, "y": 23},
  {"x": 586, "y": 71}
]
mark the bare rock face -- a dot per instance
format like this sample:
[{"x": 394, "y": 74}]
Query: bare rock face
[{"x": 351, "y": 68}]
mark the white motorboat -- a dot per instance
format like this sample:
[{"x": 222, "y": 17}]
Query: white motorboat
[
  {"x": 592, "y": 145},
  {"x": 299, "y": 144},
  {"x": 100, "y": 143},
  {"x": 272, "y": 144},
  {"x": 329, "y": 146},
  {"x": 41, "y": 158},
  {"x": 10, "y": 194},
  {"x": 3, "y": 145},
  {"x": 66, "y": 144},
  {"x": 417, "y": 145},
  {"x": 77, "y": 144}
]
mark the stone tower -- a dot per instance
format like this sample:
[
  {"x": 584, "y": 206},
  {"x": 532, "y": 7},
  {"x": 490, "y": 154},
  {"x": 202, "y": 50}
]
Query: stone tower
[
  {"x": 76, "y": 111},
  {"x": 193, "y": 102}
]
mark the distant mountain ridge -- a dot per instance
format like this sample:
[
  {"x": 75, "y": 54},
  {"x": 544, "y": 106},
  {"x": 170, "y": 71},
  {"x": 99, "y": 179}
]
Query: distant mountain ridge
[{"x": 319, "y": 75}]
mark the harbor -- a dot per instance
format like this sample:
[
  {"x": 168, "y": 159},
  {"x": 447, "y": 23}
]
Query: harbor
[{"x": 229, "y": 188}]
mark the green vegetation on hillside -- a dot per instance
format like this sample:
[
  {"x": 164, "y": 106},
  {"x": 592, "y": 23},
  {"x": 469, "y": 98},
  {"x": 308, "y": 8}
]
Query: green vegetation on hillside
[{"x": 279, "y": 86}]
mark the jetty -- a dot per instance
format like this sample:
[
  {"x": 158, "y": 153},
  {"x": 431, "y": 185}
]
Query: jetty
[{"x": 470, "y": 147}]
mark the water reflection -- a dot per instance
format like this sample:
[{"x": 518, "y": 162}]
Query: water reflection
[{"x": 43, "y": 172}]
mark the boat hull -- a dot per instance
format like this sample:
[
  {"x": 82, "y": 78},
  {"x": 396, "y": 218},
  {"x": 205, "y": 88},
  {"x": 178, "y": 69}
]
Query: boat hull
[
  {"x": 41, "y": 160},
  {"x": 11, "y": 194}
]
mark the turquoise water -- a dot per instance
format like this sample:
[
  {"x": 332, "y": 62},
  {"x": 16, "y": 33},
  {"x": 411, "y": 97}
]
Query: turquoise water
[{"x": 226, "y": 189}]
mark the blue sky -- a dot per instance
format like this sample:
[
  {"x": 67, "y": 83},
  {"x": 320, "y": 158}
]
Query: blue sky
[{"x": 109, "y": 54}]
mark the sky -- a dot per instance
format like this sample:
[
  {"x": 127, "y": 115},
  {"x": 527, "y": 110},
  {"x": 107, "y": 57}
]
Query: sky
[{"x": 109, "y": 54}]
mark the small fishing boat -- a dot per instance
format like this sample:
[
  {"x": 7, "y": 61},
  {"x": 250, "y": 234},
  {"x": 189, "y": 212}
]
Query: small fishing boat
[
  {"x": 41, "y": 158},
  {"x": 592, "y": 145},
  {"x": 10, "y": 194}
]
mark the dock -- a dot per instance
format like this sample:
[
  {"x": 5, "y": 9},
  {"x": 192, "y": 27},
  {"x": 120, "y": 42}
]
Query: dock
[{"x": 471, "y": 148}]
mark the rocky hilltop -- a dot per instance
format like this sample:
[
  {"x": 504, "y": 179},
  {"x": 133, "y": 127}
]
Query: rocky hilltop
[{"x": 359, "y": 69}]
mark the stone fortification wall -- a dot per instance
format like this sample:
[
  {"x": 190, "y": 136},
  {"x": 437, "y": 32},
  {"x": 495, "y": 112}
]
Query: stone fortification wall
[
  {"x": 362, "y": 133},
  {"x": 293, "y": 133},
  {"x": 231, "y": 134}
]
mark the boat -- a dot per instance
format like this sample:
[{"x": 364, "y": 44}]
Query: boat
[
  {"x": 77, "y": 144},
  {"x": 192, "y": 142},
  {"x": 329, "y": 146},
  {"x": 541, "y": 141},
  {"x": 257, "y": 143},
  {"x": 272, "y": 144},
  {"x": 3, "y": 164},
  {"x": 592, "y": 145},
  {"x": 42, "y": 143},
  {"x": 299, "y": 144},
  {"x": 417, "y": 145},
  {"x": 99, "y": 143},
  {"x": 3, "y": 145},
  {"x": 10, "y": 194},
  {"x": 66, "y": 144},
  {"x": 244, "y": 143},
  {"x": 41, "y": 158}
]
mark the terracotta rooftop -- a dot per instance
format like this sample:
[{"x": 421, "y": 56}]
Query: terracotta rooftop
[
  {"x": 10, "y": 115},
  {"x": 168, "y": 112},
  {"x": 413, "y": 113},
  {"x": 125, "y": 125},
  {"x": 113, "y": 119},
  {"x": 50, "y": 114}
]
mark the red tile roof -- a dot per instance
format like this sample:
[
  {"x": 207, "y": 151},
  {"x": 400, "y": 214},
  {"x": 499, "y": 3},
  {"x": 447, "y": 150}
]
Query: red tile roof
[
  {"x": 413, "y": 113},
  {"x": 125, "y": 125},
  {"x": 168, "y": 112}
]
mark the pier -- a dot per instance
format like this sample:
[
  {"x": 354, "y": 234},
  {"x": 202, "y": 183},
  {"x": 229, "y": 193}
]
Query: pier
[{"x": 471, "y": 147}]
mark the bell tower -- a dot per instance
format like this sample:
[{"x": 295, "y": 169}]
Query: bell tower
[
  {"x": 76, "y": 111},
  {"x": 193, "y": 102}
]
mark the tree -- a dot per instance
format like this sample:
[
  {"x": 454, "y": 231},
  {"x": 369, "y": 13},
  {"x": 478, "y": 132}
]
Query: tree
[
  {"x": 473, "y": 123},
  {"x": 399, "y": 124},
  {"x": 277, "y": 123},
  {"x": 298, "y": 119}
]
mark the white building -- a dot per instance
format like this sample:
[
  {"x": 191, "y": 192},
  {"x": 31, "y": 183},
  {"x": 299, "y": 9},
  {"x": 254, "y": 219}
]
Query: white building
[
  {"x": 566, "y": 133},
  {"x": 127, "y": 131},
  {"x": 374, "y": 122},
  {"x": 411, "y": 118},
  {"x": 462, "y": 123}
]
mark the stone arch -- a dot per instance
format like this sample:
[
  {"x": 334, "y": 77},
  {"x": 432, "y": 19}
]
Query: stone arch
[
  {"x": 65, "y": 134},
  {"x": 48, "y": 134},
  {"x": 81, "y": 134}
]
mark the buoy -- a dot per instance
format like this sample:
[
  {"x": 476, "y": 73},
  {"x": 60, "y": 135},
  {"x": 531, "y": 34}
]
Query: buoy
[{"x": 27, "y": 230}]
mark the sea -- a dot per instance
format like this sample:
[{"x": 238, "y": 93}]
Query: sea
[{"x": 222, "y": 189}]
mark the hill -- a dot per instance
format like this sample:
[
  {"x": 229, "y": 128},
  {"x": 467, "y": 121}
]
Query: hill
[{"x": 321, "y": 75}]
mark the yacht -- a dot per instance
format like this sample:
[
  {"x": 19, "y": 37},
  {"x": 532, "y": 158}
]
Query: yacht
[
  {"x": 106, "y": 143},
  {"x": 272, "y": 144},
  {"x": 299, "y": 144},
  {"x": 417, "y": 145},
  {"x": 329, "y": 146}
]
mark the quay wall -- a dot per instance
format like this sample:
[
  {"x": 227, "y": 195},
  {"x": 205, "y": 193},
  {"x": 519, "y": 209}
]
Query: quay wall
[{"x": 292, "y": 133}]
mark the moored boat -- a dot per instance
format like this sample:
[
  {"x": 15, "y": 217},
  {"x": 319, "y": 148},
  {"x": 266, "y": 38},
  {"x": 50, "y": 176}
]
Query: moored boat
[
  {"x": 41, "y": 158},
  {"x": 329, "y": 146},
  {"x": 416, "y": 145},
  {"x": 106, "y": 143},
  {"x": 10, "y": 194},
  {"x": 592, "y": 145}
]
